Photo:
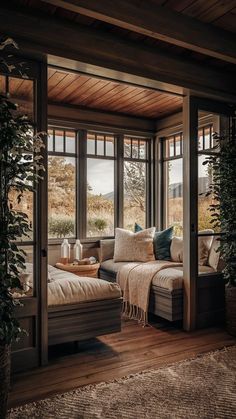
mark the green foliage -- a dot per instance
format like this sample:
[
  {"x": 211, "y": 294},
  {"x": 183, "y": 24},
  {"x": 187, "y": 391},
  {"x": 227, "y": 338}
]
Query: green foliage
[
  {"x": 19, "y": 172},
  {"x": 100, "y": 224},
  {"x": 97, "y": 225},
  {"x": 223, "y": 191},
  {"x": 61, "y": 226}
]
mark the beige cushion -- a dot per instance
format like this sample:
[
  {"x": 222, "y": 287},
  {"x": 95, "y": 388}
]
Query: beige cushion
[
  {"x": 110, "y": 265},
  {"x": 204, "y": 245},
  {"x": 214, "y": 256},
  {"x": 67, "y": 288},
  {"x": 134, "y": 247},
  {"x": 176, "y": 249},
  {"x": 106, "y": 250}
]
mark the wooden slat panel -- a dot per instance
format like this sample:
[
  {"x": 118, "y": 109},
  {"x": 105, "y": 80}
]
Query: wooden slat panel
[{"x": 106, "y": 95}]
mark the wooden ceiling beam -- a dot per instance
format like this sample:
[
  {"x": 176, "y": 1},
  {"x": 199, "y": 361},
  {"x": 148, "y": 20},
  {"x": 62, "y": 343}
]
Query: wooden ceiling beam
[
  {"x": 147, "y": 18},
  {"x": 38, "y": 33}
]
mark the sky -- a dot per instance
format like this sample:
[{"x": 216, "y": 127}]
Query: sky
[{"x": 100, "y": 175}]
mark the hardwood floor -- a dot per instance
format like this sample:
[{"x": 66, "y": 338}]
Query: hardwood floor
[{"x": 133, "y": 350}]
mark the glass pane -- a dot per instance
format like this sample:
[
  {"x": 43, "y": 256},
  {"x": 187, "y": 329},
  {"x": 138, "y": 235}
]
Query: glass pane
[
  {"x": 177, "y": 145},
  {"x": 22, "y": 92},
  {"x": 174, "y": 195},
  {"x": 27, "y": 274},
  {"x": 142, "y": 149},
  {"x": 100, "y": 197},
  {"x": 134, "y": 194},
  {"x": 207, "y": 138},
  {"x": 200, "y": 139},
  {"x": 127, "y": 147},
  {"x": 170, "y": 149},
  {"x": 70, "y": 141},
  {"x": 59, "y": 141},
  {"x": 110, "y": 145},
  {"x": 100, "y": 145},
  {"x": 90, "y": 143},
  {"x": 50, "y": 140},
  {"x": 61, "y": 196},
  {"x": 204, "y": 202},
  {"x": 135, "y": 150}
]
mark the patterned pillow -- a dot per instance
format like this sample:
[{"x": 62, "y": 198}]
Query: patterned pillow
[
  {"x": 134, "y": 247},
  {"x": 161, "y": 242}
]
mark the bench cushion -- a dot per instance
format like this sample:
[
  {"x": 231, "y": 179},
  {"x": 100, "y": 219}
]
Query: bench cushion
[
  {"x": 67, "y": 288},
  {"x": 168, "y": 278}
]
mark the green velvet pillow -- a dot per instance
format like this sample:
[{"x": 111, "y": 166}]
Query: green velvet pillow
[{"x": 161, "y": 242}]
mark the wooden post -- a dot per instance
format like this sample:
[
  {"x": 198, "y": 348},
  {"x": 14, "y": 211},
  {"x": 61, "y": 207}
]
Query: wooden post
[
  {"x": 42, "y": 225},
  {"x": 190, "y": 210}
]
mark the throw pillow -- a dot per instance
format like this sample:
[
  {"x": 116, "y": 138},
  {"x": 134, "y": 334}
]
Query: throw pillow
[
  {"x": 204, "y": 245},
  {"x": 161, "y": 242},
  {"x": 134, "y": 247}
]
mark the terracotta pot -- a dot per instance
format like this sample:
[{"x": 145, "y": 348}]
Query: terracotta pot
[
  {"x": 5, "y": 365},
  {"x": 230, "y": 300}
]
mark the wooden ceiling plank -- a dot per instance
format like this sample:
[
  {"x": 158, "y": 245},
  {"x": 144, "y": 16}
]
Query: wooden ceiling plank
[
  {"x": 154, "y": 98},
  {"x": 96, "y": 92},
  {"x": 65, "y": 87},
  {"x": 75, "y": 88},
  {"x": 158, "y": 22},
  {"x": 119, "y": 89},
  {"x": 217, "y": 11},
  {"x": 104, "y": 92},
  {"x": 132, "y": 99},
  {"x": 153, "y": 102},
  {"x": 55, "y": 79}
]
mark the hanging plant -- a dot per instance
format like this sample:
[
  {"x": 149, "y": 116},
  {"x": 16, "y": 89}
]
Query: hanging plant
[{"x": 223, "y": 192}]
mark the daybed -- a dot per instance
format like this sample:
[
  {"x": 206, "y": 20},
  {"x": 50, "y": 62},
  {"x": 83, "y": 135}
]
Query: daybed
[
  {"x": 166, "y": 295},
  {"x": 80, "y": 307}
]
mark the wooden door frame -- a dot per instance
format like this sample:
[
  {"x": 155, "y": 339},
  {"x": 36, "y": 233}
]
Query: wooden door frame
[{"x": 191, "y": 106}]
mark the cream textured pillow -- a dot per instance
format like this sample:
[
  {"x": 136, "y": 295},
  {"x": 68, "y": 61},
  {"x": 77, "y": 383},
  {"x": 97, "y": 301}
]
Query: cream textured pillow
[
  {"x": 176, "y": 249},
  {"x": 134, "y": 247},
  {"x": 204, "y": 245}
]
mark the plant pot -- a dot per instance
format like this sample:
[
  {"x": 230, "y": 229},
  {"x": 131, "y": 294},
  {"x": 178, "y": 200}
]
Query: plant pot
[
  {"x": 230, "y": 300},
  {"x": 5, "y": 364}
]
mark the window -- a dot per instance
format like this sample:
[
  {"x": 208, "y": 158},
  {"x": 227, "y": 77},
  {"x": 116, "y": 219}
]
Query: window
[
  {"x": 206, "y": 144},
  {"x": 94, "y": 190},
  {"x": 135, "y": 181},
  {"x": 100, "y": 184},
  {"x": 173, "y": 175},
  {"x": 61, "y": 183}
]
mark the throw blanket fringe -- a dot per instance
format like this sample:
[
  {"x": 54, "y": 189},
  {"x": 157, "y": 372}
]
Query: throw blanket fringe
[{"x": 135, "y": 280}]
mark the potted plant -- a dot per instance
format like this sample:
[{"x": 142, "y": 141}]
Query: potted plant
[
  {"x": 223, "y": 211},
  {"x": 20, "y": 166}
]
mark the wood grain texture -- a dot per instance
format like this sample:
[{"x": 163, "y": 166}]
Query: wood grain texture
[
  {"x": 39, "y": 32},
  {"x": 76, "y": 322},
  {"x": 160, "y": 23},
  {"x": 96, "y": 93},
  {"x": 132, "y": 350},
  {"x": 80, "y": 270}
]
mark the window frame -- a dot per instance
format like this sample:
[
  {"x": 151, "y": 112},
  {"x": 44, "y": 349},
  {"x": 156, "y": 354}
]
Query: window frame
[
  {"x": 164, "y": 159},
  {"x": 74, "y": 155},
  {"x": 147, "y": 161},
  {"x": 118, "y": 158}
]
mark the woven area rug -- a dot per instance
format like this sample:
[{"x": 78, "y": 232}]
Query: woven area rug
[{"x": 202, "y": 388}]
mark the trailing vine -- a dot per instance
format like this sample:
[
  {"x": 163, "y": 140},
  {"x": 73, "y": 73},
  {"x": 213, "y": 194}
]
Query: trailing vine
[{"x": 223, "y": 192}]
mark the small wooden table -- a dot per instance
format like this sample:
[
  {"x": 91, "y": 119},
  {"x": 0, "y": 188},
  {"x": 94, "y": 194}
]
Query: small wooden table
[{"x": 80, "y": 270}]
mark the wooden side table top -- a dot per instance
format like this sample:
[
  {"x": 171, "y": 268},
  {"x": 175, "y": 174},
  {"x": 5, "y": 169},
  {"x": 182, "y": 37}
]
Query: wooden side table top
[{"x": 80, "y": 270}]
